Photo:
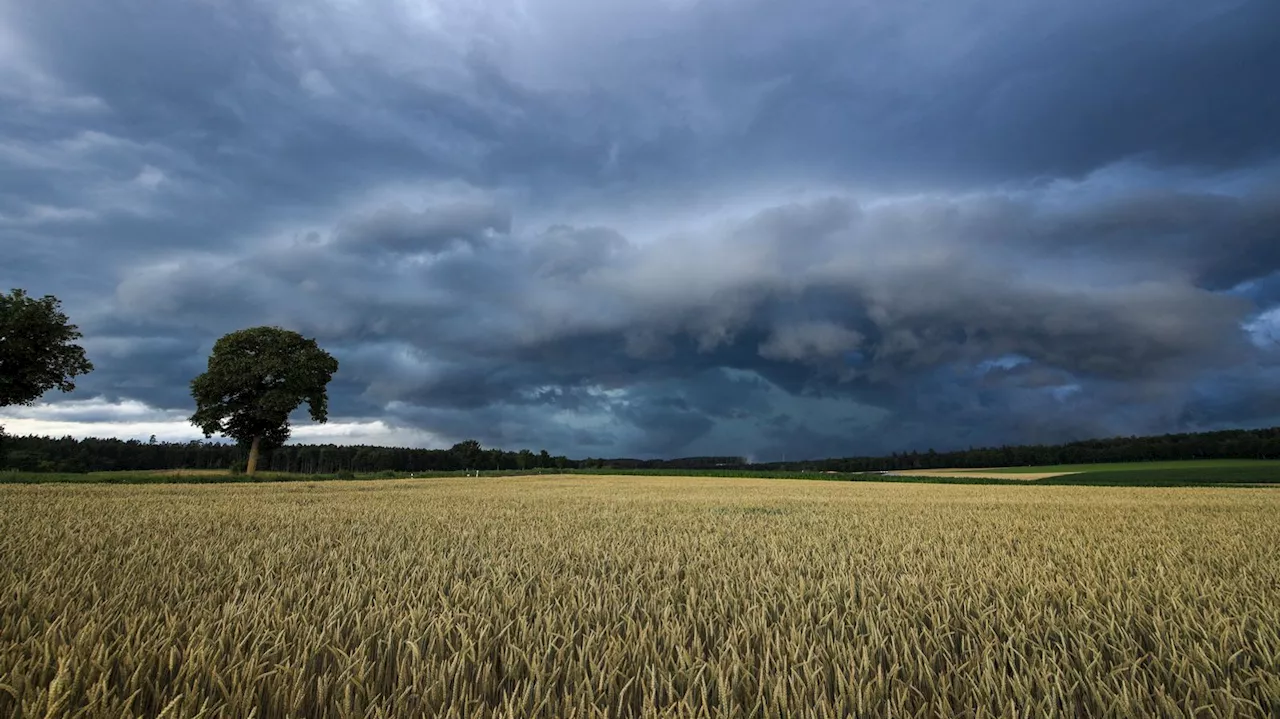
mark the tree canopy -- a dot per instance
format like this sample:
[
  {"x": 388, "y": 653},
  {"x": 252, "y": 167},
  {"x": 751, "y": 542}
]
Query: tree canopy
[
  {"x": 255, "y": 379},
  {"x": 37, "y": 348}
]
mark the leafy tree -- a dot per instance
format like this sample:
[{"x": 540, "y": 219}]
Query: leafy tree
[
  {"x": 468, "y": 453},
  {"x": 37, "y": 348},
  {"x": 256, "y": 378}
]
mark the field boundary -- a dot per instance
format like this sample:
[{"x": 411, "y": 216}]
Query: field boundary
[
  {"x": 1164, "y": 475},
  {"x": 978, "y": 474}
]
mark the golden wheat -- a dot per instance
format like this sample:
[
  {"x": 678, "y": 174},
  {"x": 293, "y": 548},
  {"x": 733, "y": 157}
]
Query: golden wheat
[{"x": 646, "y": 597}]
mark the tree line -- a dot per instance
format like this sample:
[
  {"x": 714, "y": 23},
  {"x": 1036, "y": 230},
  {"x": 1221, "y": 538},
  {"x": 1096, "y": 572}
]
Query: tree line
[
  {"x": 69, "y": 454},
  {"x": 1223, "y": 444}
]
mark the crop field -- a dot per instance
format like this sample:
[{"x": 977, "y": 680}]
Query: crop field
[
  {"x": 637, "y": 597},
  {"x": 1175, "y": 473}
]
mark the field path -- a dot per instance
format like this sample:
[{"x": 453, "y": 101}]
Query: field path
[{"x": 976, "y": 474}]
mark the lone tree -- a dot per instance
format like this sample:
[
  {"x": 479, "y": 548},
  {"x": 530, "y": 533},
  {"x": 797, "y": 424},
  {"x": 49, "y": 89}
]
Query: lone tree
[
  {"x": 256, "y": 378},
  {"x": 37, "y": 348}
]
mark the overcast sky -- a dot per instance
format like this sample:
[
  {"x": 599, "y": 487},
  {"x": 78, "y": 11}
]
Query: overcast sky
[{"x": 659, "y": 227}]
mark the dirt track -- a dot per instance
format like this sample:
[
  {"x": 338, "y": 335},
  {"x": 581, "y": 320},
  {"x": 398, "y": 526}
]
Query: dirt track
[{"x": 977, "y": 474}]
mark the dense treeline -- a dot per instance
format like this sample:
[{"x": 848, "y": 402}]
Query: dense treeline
[
  {"x": 67, "y": 454},
  {"x": 1227, "y": 444}
]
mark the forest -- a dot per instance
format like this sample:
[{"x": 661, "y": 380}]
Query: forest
[{"x": 69, "y": 454}]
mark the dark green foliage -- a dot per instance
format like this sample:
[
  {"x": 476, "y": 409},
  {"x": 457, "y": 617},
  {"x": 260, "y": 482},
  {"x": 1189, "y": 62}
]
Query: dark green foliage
[
  {"x": 1225, "y": 476},
  {"x": 177, "y": 477},
  {"x": 68, "y": 454},
  {"x": 1157, "y": 477},
  {"x": 37, "y": 348},
  {"x": 1225, "y": 444},
  {"x": 468, "y": 454},
  {"x": 145, "y": 478},
  {"x": 256, "y": 378}
]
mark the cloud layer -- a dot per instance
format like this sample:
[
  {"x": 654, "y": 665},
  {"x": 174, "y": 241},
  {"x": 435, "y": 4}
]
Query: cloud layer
[{"x": 664, "y": 228}]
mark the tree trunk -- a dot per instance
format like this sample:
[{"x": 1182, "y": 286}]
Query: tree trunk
[{"x": 253, "y": 457}]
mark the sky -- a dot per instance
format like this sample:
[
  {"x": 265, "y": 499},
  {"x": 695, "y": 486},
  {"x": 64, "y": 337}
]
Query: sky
[{"x": 655, "y": 228}]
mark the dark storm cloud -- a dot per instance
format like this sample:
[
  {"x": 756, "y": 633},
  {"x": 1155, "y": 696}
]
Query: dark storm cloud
[
  {"x": 1222, "y": 239},
  {"x": 576, "y": 226},
  {"x": 399, "y": 230},
  {"x": 862, "y": 308},
  {"x": 1243, "y": 394},
  {"x": 1262, "y": 291},
  {"x": 1029, "y": 89}
]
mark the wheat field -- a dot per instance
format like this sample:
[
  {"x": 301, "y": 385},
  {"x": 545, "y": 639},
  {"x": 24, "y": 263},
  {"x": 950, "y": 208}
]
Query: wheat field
[{"x": 637, "y": 596}]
